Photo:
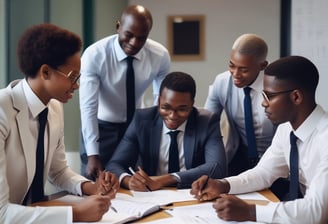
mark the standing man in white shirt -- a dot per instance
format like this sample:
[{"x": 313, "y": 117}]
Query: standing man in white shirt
[
  {"x": 289, "y": 100},
  {"x": 103, "y": 91},
  {"x": 246, "y": 65}
]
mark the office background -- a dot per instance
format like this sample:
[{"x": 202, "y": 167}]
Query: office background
[{"x": 225, "y": 20}]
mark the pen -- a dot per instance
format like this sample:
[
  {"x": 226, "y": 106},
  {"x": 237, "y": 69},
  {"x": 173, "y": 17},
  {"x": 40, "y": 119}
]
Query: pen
[
  {"x": 209, "y": 176},
  {"x": 132, "y": 172},
  {"x": 114, "y": 209}
]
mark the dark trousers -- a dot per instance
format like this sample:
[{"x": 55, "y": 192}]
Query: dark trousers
[
  {"x": 240, "y": 163},
  {"x": 110, "y": 135}
]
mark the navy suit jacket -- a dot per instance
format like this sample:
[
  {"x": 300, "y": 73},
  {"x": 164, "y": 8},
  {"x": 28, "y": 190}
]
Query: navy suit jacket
[{"x": 203, "y": 146}]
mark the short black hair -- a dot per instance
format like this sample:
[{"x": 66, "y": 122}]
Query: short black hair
[
  {"x": 45, "y": 44},
  {"x": 297, "y": 69},
  {"x": 179, "y": 82}
]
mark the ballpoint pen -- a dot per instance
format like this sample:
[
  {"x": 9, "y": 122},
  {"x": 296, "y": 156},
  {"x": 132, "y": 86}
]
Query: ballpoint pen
[
  {"x": 132, "y": 172},
  {"x": 114, "y": 209},
  {"x": 209, "y": 176}
]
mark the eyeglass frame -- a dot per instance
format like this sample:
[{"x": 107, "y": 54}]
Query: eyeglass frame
[
  {"x": 68, "y": 76},
  {"x": 267, "y": 96},
  {"x": 182, "y": 111}
]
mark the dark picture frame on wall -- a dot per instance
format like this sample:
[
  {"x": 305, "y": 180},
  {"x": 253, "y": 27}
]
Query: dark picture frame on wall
[{"x": 186, "y": 37}]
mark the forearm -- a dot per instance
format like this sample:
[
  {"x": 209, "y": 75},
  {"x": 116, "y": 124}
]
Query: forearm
[
  {"x": 166, "y": 180},
  {"x": 223, "y": 185},
  {"x": 89, "y": 188}
]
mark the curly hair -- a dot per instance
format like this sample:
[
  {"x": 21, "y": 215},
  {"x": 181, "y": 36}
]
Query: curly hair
[{"x": 46, "y": 44}]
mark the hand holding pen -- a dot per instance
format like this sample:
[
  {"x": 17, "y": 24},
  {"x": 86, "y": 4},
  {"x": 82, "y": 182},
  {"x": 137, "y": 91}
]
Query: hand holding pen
[
  {"x": 209, "y": 176},
  {"x": 140, "y": 178},
  {"x": 206, "y": 188}
]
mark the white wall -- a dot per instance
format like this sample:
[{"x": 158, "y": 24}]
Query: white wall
[
  {"x": 225, "y": 21},
  {"x": 309, "y": 38}
]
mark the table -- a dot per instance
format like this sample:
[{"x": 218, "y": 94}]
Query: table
[
  {"x": 162, "y": 214},
  {"x": 49, "y": 201}
]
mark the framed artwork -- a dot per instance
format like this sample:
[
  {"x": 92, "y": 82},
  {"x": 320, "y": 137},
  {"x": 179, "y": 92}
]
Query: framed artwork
[{"x": 186, "y": 37}]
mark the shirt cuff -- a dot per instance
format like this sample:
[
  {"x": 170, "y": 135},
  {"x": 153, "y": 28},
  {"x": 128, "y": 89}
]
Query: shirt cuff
[
  {"x": 92, "y": 148},
  {"x": 70, "y": 214},
  {"x": 177, "y": 177},
  {"x": 265, "y": 213},
  {"x": 122, "y": 176}
]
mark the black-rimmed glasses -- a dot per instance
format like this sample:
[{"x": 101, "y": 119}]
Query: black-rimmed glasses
[{"x": 268, "y": 95}]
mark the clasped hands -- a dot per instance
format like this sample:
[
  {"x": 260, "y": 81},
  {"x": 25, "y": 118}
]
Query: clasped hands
[{"x": 228, "y": 207}]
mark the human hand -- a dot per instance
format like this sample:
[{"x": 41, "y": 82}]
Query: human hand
[
  {"x": 94, "y": 167},
  {"x": 91, "y": 209},
  {"x": 212, "y": 190},
  {"x": 107, "y": 184},
  {"x": 232, "y": 208},
  {"x": 140, "y": 181}
]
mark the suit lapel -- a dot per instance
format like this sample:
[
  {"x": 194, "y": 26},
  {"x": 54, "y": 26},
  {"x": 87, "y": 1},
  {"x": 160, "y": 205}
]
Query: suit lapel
[
  {"x": 22, "y": 118},
  {"x": 155, "y": 140},
  {"x": 190, "y": 138}
]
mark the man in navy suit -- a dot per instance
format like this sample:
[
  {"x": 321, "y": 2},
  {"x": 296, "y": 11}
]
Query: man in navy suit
[{"x": 147, "y": 141}]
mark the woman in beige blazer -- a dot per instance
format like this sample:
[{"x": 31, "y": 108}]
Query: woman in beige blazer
[{"x": 49, "y": 58}]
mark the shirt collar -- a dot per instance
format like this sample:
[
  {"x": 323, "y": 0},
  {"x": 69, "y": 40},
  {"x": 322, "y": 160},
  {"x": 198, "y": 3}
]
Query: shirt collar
[
  {"x": 257, "y": 85},
  {"x": 181, "y": 128},
  {"x": 310, "y": 124},
  {"x": 35, "y": 105},
  {"x": 121, "y": 54}
]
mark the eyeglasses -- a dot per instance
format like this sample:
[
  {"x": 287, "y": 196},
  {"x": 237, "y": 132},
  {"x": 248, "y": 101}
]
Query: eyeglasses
[
  {"x": 182, "y": 111},
  {"x": 268, "y": 95},
  {"x": 73, "y": 76}
]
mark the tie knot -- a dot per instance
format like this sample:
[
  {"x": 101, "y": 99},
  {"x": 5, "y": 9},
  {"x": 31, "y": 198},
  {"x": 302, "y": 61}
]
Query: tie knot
[
  {"x": 293, "y": 138},
  {"x": 129, "y": 59},
  {"x": 247, "y": 90},
  {"x": 43, "y": 115},
  {"x": 173, "y": 134}
]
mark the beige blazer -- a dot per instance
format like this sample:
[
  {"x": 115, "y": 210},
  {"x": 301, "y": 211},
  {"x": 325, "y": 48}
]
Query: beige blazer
[{"x": 17, "y": 160}]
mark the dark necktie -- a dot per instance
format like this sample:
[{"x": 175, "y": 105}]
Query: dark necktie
[
  {"x": 174, "y": 164},
  {"x": 130, "y": 90},
  {"x": 293, "y": 161},
  {"x": 37, "y": 184},
  {"x": 250, "y": 134}
]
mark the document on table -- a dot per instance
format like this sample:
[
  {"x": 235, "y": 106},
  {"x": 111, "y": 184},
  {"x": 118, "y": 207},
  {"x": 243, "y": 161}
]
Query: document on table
[
  {"x": 138, "y": 204},
  {"x": 160, "y": 197},
  {"x": 202, "y": 213}
]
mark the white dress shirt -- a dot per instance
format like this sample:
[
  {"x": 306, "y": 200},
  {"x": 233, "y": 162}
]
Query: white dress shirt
[
  {"x": 102, "y": 83},
  {"x": 163, "y": 162},
  {"x": 35, "y": 107},
  {"x": 313, "y": 173},
  {"x": 224, "y": 95}
]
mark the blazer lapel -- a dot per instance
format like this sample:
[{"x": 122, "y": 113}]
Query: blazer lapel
[
  {"x": 22, "y": 118},
  {"x": 155, "y": 139},
  {"x": 190, "y": 138}
]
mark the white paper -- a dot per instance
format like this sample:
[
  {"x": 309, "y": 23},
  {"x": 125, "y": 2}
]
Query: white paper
[{"x": 202, "y": 213}]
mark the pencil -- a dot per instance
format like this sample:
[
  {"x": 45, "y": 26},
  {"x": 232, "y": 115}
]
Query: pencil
[
  {"x": 209, "y": 176},
  {"x": 132, "y": 172}
]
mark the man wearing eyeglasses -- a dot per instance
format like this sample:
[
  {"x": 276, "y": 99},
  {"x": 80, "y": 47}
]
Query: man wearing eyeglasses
[
  {"x": 299, "y": 149},
  {"x": 199, "y": 141},
  {"x": 246, "y": 65}
]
